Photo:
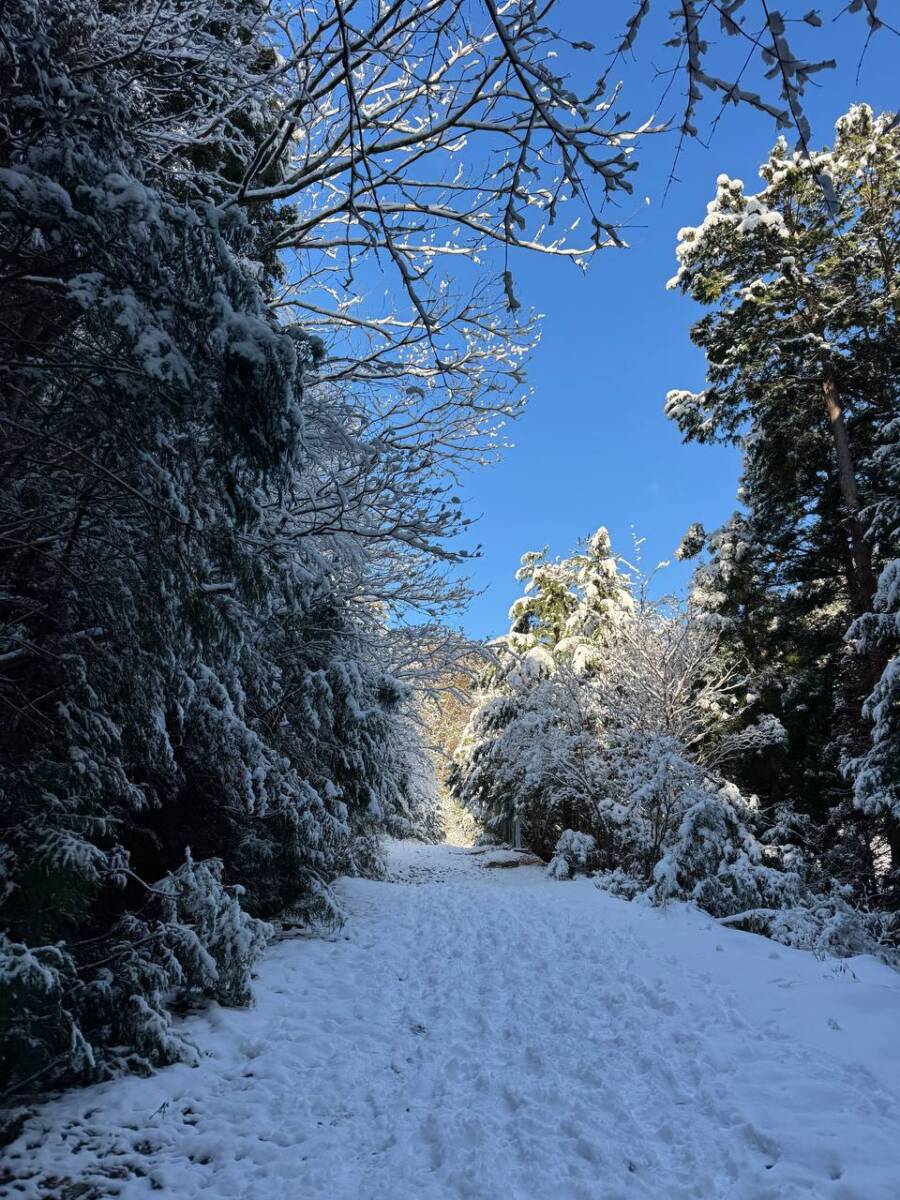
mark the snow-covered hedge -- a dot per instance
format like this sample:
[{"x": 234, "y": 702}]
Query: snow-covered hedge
[{"x": 574, "y": 852}]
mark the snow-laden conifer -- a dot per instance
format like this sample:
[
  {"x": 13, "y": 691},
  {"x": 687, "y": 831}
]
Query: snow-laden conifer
[
  {"x": 614, "y": 755},
  {"x": 800, "y": 284}
]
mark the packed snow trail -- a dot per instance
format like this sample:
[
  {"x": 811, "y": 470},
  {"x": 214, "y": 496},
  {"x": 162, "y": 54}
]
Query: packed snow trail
[{"x": 490, "y": 1034}]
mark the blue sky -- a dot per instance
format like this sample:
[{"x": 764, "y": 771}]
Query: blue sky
[{"x": 593, "y": 447}]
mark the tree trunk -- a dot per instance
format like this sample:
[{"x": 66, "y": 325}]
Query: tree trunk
[
  {"x": 864, "y": 576},
  {"x": 864, "y": 591},
  {"x": 892, "y": 826}
]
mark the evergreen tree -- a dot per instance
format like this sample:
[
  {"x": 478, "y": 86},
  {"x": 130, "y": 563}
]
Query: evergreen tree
[
  {"x": 803, "y": 363},
  {"x": 202, "y": 720},
  {"x": 522, "y": 751},
  {"x": 569, "y": 606}
]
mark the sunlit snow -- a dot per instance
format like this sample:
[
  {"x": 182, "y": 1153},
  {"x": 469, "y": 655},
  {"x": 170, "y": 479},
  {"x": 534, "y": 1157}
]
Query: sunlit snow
[{"x": 495, "y": 1034}]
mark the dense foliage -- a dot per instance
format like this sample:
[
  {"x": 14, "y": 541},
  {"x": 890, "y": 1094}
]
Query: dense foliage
[
  {"x": 803, "y": 365},
  {"x": 741, "y": 749},
  {"x": 227, "y": 475},
  {"x": 204, "y": 718},
  {"x": 610, "y": 724}
]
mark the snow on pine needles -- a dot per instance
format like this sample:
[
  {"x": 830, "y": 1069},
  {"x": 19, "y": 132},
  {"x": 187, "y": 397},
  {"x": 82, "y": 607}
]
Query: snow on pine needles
[{"x": 499, "y": 1035}]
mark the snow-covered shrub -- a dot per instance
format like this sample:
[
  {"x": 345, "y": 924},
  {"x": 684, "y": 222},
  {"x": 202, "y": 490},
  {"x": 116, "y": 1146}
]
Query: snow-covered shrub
[
  {"x": 523, "y": 756},
  {"x": 619, "y": 883},
  {"x": 641, "y": 785},
  {"x": 829, "y": 926},
  {"x": 227, "y": 940},
  {"x": 714, "y": 859},
  {"x": 77, "y": 1020},
  {"x": 724, "y": 861},
  {"x": 39, "y": 1026},
  {"x": 574, "y": 852},
  {"x": 486, "y": 838}
]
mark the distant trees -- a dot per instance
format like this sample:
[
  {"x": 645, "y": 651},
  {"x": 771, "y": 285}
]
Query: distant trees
[
  {"x": 610, "y": 723},
  {"x": 803, "y": 365},
  {"x": 602, "y": 726}
]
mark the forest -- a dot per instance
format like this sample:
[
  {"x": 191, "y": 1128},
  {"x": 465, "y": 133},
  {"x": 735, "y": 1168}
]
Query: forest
[{"x": 262, "y": 320}]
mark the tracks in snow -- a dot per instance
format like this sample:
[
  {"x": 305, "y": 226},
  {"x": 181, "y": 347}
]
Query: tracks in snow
[{"x": 489, "y": 1035}]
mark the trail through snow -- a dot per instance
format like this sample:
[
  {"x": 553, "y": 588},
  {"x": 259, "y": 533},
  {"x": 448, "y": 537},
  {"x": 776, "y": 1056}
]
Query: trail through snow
[{"x": 491, "y": 1034}]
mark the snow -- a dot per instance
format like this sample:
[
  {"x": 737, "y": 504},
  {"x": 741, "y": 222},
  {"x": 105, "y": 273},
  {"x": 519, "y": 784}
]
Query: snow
[{"x": 493, "y": 1034}]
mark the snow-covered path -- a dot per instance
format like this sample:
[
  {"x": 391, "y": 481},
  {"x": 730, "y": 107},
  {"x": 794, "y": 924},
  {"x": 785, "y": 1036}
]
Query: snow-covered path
[{"x": 494, "y": 1035}]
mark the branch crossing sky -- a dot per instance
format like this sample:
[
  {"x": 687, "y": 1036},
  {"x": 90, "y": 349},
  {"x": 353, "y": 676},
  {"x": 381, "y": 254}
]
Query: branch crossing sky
[{"x": 593, "y": 447}]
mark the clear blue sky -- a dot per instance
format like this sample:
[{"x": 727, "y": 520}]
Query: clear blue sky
[{"x": 593, "y": 447}]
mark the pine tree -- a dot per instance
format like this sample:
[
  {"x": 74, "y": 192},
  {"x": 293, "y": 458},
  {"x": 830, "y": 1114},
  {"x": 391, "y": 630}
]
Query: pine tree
[
  {"x": 522, "y": 752},
  {"x": 803, "y": 367}
]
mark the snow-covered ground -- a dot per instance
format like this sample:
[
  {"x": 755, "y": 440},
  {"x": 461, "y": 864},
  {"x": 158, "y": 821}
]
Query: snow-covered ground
[{"x": 494, "y": 1035}]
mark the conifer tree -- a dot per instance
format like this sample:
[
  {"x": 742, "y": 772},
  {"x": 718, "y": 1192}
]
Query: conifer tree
[
  {"x": 803, "y": 368},
  {"x": 520, "y": 753}
]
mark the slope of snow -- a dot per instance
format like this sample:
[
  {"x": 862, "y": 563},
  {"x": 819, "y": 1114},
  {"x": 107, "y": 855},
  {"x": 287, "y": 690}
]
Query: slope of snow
[{"x": 491, "y": 1034}]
